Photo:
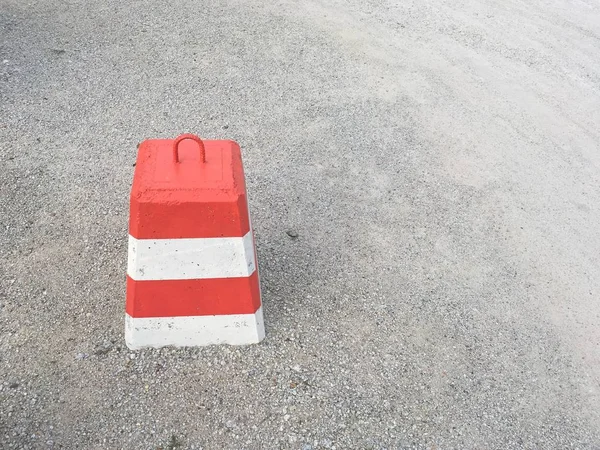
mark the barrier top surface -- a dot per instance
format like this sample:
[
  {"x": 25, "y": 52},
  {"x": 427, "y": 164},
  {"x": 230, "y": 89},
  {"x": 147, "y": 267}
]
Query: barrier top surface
[
  {"x": 188, "y": 188},
  {"x": 162, "y": 166}
]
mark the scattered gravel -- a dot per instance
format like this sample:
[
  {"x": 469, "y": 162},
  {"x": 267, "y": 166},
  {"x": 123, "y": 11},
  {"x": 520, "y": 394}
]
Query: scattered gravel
[{"x": 439, "y": 161}]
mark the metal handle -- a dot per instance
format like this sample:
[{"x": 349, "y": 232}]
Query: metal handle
[{"x": 194, "y": 138}]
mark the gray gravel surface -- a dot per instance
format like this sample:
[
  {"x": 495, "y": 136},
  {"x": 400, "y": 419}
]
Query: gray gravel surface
[{"x": 424, "y": 183}]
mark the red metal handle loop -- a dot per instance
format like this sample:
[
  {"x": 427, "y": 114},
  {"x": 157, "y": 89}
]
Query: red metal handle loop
[{"x": 194, "y": 138}]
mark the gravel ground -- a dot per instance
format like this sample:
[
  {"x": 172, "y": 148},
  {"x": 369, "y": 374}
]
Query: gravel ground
[{"x": 438, "y": 161}]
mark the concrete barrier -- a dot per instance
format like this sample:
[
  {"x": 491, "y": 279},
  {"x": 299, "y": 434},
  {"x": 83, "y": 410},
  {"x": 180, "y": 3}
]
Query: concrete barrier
[{"x": 192, "y": 275}]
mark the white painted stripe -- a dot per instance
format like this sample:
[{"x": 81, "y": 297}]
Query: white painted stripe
[
  {"x": 194, "y": 331},
  {"x": 190, "y": 259}
]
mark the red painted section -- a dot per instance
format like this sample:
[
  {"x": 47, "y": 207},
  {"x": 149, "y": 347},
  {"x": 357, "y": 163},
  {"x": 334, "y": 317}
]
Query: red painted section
[
  {"x": 176, "y": 195},
  {"x": 218, "y": 296}
]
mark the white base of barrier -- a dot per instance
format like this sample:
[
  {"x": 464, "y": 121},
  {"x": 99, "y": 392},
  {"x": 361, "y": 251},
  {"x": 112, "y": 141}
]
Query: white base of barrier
[{"x": 194, "y": 331}]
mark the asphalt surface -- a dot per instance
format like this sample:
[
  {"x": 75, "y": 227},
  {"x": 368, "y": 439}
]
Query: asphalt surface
[{"x": 439, "y": 161}]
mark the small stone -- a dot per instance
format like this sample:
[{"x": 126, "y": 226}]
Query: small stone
[
  {"x": 81, "y": 356},
  {"x": 104, "y": 350},
  {"x": 13, "y": 385},
  {"x": 132, "y": 356},
  {"x": 292, "y": 233},
  {"x": 230, "y": 424}
]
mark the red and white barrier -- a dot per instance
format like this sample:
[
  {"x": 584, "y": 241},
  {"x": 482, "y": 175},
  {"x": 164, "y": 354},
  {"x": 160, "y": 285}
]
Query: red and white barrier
[{"x": 192, "y": 276}]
